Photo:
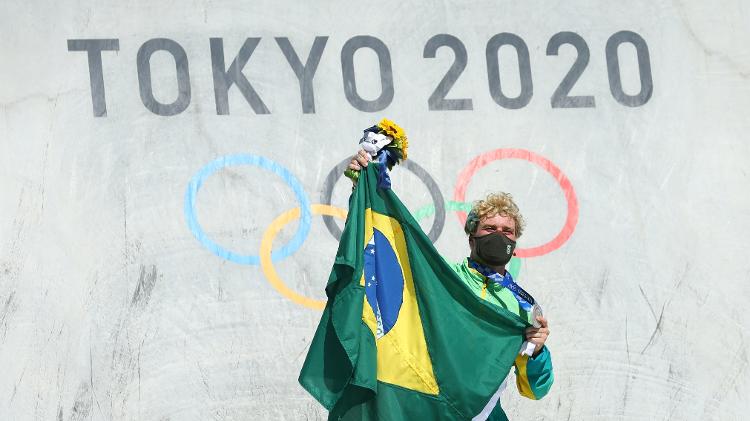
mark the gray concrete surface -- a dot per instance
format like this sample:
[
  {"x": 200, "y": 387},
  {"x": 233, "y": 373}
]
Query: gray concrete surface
[{"x": 111, "y": 307}]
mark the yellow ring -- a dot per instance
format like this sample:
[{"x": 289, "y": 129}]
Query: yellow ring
[{"x": 265, "y": 253}]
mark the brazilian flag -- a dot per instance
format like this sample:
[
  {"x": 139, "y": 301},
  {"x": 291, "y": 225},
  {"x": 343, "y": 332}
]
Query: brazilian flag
[{"x": 402, "y": 337}]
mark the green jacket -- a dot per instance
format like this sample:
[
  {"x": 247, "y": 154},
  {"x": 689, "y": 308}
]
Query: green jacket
[{"x": 533, "y": 375}]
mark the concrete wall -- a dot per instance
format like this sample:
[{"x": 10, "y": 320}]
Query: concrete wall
[{"x": 130, "y": 283}]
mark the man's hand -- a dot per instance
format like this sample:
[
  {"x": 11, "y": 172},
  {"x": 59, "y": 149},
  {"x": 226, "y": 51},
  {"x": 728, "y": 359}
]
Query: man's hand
[
  {"x": 538, "y": 335},
  {"x": 359, "y": 161}
]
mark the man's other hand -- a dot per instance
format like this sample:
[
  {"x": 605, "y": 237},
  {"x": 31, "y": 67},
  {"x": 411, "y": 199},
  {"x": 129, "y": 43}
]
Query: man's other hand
[{"x": 538, "y": 335}]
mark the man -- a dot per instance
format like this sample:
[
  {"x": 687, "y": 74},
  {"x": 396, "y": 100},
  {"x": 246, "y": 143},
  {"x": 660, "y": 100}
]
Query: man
[{"x": 493, "y": 226}]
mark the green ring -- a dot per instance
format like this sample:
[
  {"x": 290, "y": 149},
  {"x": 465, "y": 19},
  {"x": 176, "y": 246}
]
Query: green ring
[{"x": 429, "y": 210}]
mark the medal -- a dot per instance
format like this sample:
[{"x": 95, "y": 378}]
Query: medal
[{"x": 536, "y": 311}]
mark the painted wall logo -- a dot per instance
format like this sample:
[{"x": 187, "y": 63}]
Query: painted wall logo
[
  {"x": 381, "y": 301},
  {"x": 225, "y": 77}
]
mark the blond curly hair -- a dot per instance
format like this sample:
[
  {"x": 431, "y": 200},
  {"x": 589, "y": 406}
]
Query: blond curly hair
[{"x": 494, "y": 204}]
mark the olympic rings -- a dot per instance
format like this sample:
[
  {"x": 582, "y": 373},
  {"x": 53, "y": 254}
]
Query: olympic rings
[
  {"x": 267, "y": 257},
  {"x": 570, "y": 196},
  {"x": 197, "y": 181},
  {"x": 265, "y": 253},
  {"x": 437, "y": 196}
]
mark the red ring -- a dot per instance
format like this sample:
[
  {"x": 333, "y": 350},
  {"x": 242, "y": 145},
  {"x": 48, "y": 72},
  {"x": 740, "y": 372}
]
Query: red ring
[{"x": 571, "y": 220}]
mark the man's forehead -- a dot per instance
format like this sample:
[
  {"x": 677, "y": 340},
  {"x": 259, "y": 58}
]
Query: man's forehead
[{"x": 498, "y": 220}]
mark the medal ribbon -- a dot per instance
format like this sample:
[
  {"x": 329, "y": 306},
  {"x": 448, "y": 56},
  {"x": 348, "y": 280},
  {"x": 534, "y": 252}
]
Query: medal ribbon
[{"x": 506, "y": 281}]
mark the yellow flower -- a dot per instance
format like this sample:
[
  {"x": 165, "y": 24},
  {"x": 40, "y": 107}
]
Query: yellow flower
[{"x": 391, "y": 129}]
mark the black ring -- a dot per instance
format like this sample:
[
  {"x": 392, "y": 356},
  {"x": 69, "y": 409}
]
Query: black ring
[{"x": 437, "y": 196}]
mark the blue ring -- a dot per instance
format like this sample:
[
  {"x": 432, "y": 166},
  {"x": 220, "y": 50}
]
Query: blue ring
[{"x": 195, "y": 184}]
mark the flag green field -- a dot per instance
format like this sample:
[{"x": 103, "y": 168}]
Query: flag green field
[{"x": 402, "y": 337}]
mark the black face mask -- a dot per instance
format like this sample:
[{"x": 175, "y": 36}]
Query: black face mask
[{"x": 494, "y": 249}]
